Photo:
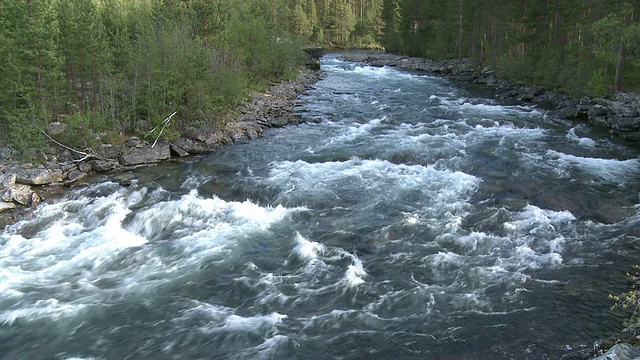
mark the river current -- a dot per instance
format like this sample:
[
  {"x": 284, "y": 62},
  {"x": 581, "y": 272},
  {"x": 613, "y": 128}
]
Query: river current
[{"x": 411, "y": 218}]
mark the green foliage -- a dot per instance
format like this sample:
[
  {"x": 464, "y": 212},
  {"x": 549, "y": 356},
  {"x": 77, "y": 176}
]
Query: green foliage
[
  {"x": 630, "y": 300},
  {"x": 599, "y": 83},
  {"x": 25, "y": 129},
  {"x": 567, "y": 45},
  {"x": 124, "y": 65}
]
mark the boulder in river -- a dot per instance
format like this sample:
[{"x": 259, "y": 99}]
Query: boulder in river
[
  {"x": 21, "y": 194},
  {"x": 136, "y": 156}
]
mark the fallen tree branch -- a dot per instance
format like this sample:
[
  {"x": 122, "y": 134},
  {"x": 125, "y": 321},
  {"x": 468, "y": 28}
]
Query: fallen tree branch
[
  {"x": 166, "y": 122},
  {"x": 87, "y": 155}
]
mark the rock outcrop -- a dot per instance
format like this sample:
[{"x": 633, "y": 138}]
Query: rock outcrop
[
  {"x": 145, "y": 155},
  {"x": 622, "y": 351}
]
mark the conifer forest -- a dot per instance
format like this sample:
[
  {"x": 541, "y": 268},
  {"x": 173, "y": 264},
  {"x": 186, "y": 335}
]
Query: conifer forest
[{"x": 122, "y": 66}]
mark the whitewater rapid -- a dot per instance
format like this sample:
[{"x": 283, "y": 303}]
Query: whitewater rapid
[{"x": 413, "y": 218}]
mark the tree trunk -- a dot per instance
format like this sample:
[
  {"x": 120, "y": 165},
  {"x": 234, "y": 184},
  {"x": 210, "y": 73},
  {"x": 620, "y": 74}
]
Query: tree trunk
[
  {"x": 617, "y": 84},
  {"x": 460, "y": 29}
]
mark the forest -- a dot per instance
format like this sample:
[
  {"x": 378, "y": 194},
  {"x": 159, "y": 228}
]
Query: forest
[
  {"x": 115, "y": 67},
  {"x": 586, "y": 47}
]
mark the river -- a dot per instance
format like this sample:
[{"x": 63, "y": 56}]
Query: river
[{"x": 412, "y": 218}]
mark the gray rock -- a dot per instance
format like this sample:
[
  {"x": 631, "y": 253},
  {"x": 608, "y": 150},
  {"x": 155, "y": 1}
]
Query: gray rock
[
  {"x": 85, "y": 166},
  {"x": 56, "y": 128},
  {"x": 622, "y": 351},
  {"x": 109, "y": 151},
  {"x": 599, "y": 120},
  {"x": 215, "y": 139},
  {"x": 252, "y": 134},
  {"x": 626, "y": 123},
  {"x": 75, "y": 175},
  {"x": 192, "y": 147},
  {"x": 7, "y": 180},
  {"x": 6, "y": 206},
  {"x": 133, "y": 141},
  {"x": 597, "y": 110},
  {"x": 103, "y": 165},
  {"x": 38, "y": 176},
  {"x": 22, "y": 194},
  {"x": 146, "y": 155},
  {"x": 279, "y": 121},
  {"x": 202, "y": 137},
  {"x": 7, "y": 153},
  {"x": 178, "y": 151},
  {"x": 633, "y": 135}
]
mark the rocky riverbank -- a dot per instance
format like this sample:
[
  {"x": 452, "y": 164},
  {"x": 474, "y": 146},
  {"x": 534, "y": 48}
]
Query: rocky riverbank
[
  {"x": 23, "y": 185},
  {"x": 620, "y": 113}
]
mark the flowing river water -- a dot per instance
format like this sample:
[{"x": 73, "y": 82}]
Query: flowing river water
[{"x": 413, "y": 218}]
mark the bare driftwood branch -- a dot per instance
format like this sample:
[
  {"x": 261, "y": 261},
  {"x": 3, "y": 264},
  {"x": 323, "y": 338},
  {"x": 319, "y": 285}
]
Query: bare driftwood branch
[
  {"x": 166, "y": 122},
  {"x": 88, "y": 153}
]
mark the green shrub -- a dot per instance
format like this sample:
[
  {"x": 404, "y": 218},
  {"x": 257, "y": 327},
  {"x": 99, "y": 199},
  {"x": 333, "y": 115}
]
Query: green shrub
[
  {"x": 630, "y": 300},
  {"x": 599, "y": 84}
]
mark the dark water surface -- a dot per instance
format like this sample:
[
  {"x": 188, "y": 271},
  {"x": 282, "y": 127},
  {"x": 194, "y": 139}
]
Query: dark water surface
[{"x": 417, "y": 220}]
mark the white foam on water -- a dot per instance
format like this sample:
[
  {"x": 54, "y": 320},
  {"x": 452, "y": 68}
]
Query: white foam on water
[
  {"x": 506, "y": 130},
  {"x": 201, "y": 309},
  {"x": 267, "y": 350},
  {"x": 356, "y": 131},
  {"x": 534, "y": 220},
  {"x": 557, "y": 245},
  {"x": 93, "y": 250},
  {"x": 445, "y": 260},
  {"x": 470, "y": 301},
  {"x": 380, "y": 178},
  {"x": 193, "y": 213},
  {"x": 478, "y": 243},
  {"x": 50, "y": 308},
  {"x": 355, "y": 273},
  {"x": 362, "y": 70},
  {"x": 526, "y": 258},
  {"x": 586, "y": 142},
  {"x": 610, "y": 170},
  {"x": 411, "y": 219},
  {"x": 308, "y": 250},
  {"x": 217, "y": 318},
  {"x": 240, "y": 323}
]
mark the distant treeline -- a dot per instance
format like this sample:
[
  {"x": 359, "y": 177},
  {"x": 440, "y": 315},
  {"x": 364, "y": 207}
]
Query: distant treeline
[
  {"x": 111, "y": 67},
  {"x": 584, "y": 47},
  {"x": 121, "y": 66},
  {"x": 580, "y": 46}
]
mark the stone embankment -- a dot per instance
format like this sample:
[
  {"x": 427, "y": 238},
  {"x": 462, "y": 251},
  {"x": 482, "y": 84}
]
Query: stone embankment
[
  {"x": 620, "y": 113},
  {"x": 22, "y": 184}
]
